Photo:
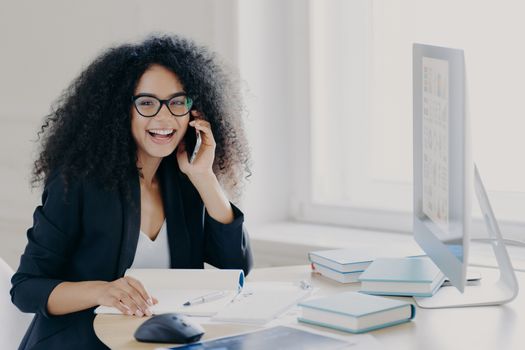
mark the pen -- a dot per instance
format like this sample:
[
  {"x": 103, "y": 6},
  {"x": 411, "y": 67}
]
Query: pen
[{"x": 205, "y": 298}]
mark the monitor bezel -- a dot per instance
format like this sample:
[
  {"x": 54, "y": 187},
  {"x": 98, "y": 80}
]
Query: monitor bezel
[{"x": 459, "y": 161}]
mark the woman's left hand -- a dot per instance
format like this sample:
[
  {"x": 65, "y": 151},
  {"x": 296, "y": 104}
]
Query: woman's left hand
[{"x": 203, "y": 162}]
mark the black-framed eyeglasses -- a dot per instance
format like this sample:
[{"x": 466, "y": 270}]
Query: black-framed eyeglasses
[{"x": 149, "y": 106}]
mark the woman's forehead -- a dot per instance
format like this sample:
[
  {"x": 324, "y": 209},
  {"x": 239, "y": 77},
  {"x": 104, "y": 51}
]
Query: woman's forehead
[{"x": 159, "y": 80}]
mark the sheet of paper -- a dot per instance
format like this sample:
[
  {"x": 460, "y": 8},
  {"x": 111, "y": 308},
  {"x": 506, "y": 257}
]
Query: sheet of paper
[{"x": 261, "y": 302}]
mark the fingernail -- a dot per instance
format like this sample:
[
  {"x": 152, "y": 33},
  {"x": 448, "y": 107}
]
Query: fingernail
[
  {"x": 139, "y": 313},
  {"x": 129, "y": 312},
  {"x": 150, "y": 302},
  {"x": 148, "y": 312}
]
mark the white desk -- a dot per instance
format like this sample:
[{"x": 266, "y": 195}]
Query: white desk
[{"x": 493, "y": 327}]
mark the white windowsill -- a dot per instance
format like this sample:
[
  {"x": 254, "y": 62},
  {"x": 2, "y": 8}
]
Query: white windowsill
[{"x": 288, "y": 243}]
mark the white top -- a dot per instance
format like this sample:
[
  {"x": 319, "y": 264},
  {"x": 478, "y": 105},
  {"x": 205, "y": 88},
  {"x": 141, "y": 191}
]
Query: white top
[{"x": 153, "y": 254}]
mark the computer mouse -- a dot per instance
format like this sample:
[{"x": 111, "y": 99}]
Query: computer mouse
[{"x": 169, "y": 328}]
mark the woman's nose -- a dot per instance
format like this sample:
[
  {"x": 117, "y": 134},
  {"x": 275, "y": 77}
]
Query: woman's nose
[{"x": 164, "y": 111}]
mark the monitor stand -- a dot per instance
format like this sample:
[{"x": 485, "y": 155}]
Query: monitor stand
[{"x": 501, "y": 291}]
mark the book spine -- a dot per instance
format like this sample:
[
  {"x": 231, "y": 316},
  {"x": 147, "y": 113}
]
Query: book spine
[{"x": 354, "y": 331}]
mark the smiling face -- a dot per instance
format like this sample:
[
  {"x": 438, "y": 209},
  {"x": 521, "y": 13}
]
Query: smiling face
[{"x": 158, "y": 136}]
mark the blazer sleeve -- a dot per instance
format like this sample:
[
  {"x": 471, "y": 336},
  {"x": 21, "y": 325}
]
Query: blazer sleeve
[
  {"x": 228, "y": 245},
  {"x": 50, "y": 243}
]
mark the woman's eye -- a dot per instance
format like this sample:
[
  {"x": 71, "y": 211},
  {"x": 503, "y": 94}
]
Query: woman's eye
[{"x": 177, "y": 103}]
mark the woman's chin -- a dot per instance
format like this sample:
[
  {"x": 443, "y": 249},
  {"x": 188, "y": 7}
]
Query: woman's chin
[
  {"x": 163, "y": 153},
  {"x": 160, "y": 150},
  {"x": 157, "y": 151}
]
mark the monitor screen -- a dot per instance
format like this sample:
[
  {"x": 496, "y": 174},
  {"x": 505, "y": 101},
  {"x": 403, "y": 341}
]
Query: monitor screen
[
  {"x": 435, "y": 143},
  {"x": 442, "y": 165}
]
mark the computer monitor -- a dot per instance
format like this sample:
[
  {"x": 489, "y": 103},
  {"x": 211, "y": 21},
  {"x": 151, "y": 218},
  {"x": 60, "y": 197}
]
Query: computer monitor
[{"x": 445, "y": 176}]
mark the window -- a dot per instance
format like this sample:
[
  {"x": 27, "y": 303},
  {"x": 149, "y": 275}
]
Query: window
[{"x": 361, "y": 107}]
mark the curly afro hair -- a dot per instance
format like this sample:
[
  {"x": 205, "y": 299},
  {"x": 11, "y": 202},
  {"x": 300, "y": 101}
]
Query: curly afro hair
[{"x": 88, "y": 132}]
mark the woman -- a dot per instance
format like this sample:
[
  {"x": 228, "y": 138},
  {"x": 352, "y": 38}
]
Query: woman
[{"x": 120, "y": 190}]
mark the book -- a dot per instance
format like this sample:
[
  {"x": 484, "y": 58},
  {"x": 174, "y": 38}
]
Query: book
[
  {"x": 341, "y": 260},
  {"x": 278, "y": 337},
  {"x": 175, "y": 287},
  {"x": 342, "y": 277},
  {"x": 402, "y": 276},
  {"x": 355, "y": 312},
  {"x": 261, "y": 302}
]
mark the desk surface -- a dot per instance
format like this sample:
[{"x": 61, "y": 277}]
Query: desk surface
[{"x": 491, "y": 327}]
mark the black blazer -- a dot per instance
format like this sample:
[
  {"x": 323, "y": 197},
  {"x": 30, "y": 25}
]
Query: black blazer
[{"x": 87, "y": 233}]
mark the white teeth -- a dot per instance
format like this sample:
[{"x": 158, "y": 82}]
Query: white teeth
[{"x": 161, "y": 131}]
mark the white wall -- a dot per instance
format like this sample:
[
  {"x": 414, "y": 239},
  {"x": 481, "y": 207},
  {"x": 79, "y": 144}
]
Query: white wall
[{"x": 273, "y": 59}]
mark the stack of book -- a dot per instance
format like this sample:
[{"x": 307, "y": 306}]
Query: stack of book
[
  {"x": 342, "y": 265},
  {"x": 355, "y": 312},
  {"x": 416, "y": 276}
]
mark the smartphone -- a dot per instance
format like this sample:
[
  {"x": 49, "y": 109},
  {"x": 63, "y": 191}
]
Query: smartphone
[
  {"x": 197, "y": 147},
  {"x": 192, "y": 141}
]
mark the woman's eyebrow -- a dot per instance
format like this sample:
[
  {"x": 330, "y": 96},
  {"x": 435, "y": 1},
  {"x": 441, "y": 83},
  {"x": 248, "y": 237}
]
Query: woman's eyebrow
[{"x": 179, "y": 93}]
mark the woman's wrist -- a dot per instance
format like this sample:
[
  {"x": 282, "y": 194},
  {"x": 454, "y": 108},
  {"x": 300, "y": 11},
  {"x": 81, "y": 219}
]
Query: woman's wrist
[
  {"x": 200, "y": 180},
  {"x": 98, "y": 291}
]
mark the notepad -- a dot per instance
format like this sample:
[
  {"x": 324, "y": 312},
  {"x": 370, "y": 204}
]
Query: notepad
[
  {"x": 355, "y": 312},
  {"x": 174, "y": 287},
  {"x": 261, "y": 302}
]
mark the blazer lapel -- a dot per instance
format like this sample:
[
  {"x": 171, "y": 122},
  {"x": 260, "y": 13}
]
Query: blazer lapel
[
  {"x": 131, "y": 226},
  {"x": 178, "y": 236}
]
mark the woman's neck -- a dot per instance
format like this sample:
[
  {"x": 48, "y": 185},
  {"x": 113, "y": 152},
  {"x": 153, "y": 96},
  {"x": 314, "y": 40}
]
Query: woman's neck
[{"x": 148, "y": 166}]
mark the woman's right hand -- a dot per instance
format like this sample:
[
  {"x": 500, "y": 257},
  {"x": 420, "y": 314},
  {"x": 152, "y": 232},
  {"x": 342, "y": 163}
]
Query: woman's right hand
[{"x": 128, "y": 295}]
